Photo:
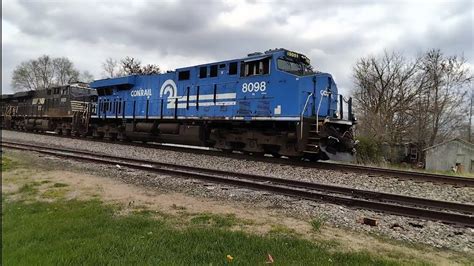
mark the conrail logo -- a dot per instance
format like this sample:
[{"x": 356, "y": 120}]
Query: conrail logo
[
  {"x": 169, "y": 88},
  {"x": 141, "y": 92}
]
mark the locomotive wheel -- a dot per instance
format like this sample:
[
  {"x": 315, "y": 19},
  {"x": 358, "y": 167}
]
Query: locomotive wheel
[
  {"x": 96, "y": 134},
  {"x": 122, "y": 137}
]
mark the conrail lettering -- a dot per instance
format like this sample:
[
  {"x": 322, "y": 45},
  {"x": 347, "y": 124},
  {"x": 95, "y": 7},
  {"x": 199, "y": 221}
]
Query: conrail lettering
[{"x": 141, "y": 92}]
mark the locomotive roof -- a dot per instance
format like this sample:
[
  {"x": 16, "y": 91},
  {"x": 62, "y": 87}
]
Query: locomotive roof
[
  {"x": 7, "y": 96},
  {"x": 23, "y": 94},
  {"x": 251, "y": 56},
  {"x": 30, "y": 93},
  {"x": 17, "y": 95},
  {"x": 131, "y": 79}
]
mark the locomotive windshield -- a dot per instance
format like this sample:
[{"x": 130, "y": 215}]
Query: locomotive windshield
[{"x": 293, "y": 66}]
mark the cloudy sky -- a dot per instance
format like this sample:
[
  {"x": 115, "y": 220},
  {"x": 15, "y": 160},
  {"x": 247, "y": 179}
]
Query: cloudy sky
[{"x": 333, "y": 34}]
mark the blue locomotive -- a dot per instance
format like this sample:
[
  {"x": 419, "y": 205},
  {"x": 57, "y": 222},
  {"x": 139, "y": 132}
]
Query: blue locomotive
[
  {"x": 266, "y": 103},
  {"x": 271, "y": 102}
]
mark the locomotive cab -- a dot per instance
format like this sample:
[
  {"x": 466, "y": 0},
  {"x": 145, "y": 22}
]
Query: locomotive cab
[{"x": 326, "y": 117}]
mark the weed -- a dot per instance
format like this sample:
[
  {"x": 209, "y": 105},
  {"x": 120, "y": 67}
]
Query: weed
[
  {"x": 60, "y": 185},
  {"x": 316, "y": 223},
  {"x": 177, "y": 207}
]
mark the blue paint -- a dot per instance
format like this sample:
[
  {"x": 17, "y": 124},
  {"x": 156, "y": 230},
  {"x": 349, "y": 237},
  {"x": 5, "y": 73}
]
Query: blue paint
[{"x": 222, "y": 95}]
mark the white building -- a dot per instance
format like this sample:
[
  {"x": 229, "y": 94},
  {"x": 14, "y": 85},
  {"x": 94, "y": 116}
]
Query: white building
[{"x": 449, "y": 154}]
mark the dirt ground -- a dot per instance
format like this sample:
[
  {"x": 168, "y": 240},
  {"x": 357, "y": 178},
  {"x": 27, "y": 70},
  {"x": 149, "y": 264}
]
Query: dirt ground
[{"x": 131, "y": 197}]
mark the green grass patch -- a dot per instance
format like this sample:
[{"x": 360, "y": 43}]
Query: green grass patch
[
  {"x": 54, "y": 194},
  {"x": 281, "y": 230},
  {"x": 7, "y": 163},
  {"x": 214, "y": 220},
  {"x": 29, "y": 189},
  {"x": 60, "y": 185},
  {"x": 88, "y": 232}
]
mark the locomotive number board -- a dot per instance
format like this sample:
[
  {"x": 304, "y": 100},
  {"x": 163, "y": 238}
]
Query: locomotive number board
[{"x": 298, "y": 57}]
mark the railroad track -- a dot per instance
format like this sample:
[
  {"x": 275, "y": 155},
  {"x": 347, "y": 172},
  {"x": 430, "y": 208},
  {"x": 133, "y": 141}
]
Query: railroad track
[
  {"x": 342, "y": 167},
  {"x": 444, "y": 211}
]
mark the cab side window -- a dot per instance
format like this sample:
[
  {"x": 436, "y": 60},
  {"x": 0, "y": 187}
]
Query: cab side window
[
  {"x": 213, "y": 71},
  {"x": 233, "y": 68},
  {"x": 203, "y": 72},
  {"x": 253, "y": 68}
]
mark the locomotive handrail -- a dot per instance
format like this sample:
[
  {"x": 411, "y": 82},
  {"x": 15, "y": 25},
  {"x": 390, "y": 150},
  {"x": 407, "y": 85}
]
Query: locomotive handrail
[
  {"x": 302, "y": 113},
  {"x": 342, "y": 100},
  {"x": 323, "y": 94}
]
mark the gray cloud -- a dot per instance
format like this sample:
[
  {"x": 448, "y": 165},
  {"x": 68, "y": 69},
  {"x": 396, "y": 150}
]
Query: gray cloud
[{"x": 180, "y": 33}]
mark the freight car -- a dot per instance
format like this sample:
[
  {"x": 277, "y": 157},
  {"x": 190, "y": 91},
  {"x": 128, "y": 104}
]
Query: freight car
[{"x": 265, "y": 103}]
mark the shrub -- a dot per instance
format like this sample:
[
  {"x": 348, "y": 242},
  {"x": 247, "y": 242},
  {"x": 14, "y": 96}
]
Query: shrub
[{"x": 368, "y": 151}]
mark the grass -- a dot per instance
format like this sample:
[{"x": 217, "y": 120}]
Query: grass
[
  {"x": 7, "y": 163},
  {"x": 282, "y": 231},
  {"x": 29, "y": 189},
  {"x": 54, "y": 193},
  {"x": 316, "y": 224},
  {"x": 177, "y": 207},
  {"x": 218, "y": 221},
  {"x": 60, "y": 185},
  {"x": 88, "y": 232}
]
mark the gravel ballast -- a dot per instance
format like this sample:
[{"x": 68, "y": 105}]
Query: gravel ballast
[
  {"x": 395, "y": 227},
  {"x": 349, "y": 179}
]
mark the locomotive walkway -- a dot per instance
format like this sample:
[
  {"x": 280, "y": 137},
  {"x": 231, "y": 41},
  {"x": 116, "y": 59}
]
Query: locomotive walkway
[{"x": 443, "y": 211}]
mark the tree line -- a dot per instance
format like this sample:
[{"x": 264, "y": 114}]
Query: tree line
[
  {"x": 46, "y": 71},
  {"x": 425, "y": 100}
]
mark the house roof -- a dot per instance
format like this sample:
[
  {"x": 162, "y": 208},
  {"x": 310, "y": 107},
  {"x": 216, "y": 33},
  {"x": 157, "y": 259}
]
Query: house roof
[{"x": 467, "y": 143}]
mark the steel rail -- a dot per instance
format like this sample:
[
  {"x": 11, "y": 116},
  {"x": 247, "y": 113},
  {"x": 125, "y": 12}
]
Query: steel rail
[
  {"x": 400, "y": 174},
  {"x": 389, "y": 197},
  {"x": 403, "y": 174},
  {"x": 375, "y": 201}
]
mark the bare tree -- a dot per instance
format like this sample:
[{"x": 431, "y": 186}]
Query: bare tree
[
  {"x": 24, "y": 77},
  {"x": 150, "y": 69},
  {"x": 131, "y": 66},
  {"x": 111, "y": 68},
  {"x": 43, "y": 72},
  {"x": 127, "y": 66},
  {"x": 445, "y": 94},
  {"x": 384, "y": 91},
  {"x": 64, "y": 71},
  {"x": 86, "y": 77},
  {"x": 424, "y": 100}
]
